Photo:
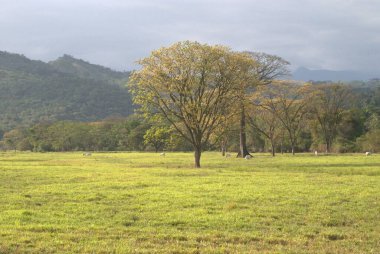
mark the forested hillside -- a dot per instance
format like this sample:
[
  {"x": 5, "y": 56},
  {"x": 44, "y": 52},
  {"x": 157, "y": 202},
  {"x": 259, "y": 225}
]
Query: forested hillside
[
  {"x": 70, "y": 65},
  {"x": 65, "y": 89}
]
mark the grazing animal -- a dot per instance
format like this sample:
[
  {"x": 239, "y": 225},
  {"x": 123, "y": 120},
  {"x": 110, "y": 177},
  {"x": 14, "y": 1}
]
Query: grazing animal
[
  {"x": 247, "y": 157},
  {"x": 162, "y": 154},
  {"x": 367, "y": 153},
  {"x": 228, "y": 155},
  {"x": 87, "y": 154},
  {"x": 316, "y": 153}
]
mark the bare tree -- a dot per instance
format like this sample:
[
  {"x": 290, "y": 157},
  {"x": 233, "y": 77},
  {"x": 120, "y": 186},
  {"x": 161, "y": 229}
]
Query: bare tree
[
  {"x": 263, "y": 120},
  {"x": 267, "y": 68},
  {"x": 289, "y": 102},
  {"x": 328, "y": 105},
  {"x": 224, "y": 133}
]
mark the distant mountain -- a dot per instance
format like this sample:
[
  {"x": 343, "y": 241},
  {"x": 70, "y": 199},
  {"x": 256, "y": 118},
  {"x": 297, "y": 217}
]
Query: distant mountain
[
  {"x": 328, "y": 75},
  {"x": 19, "y": 63},
  {"x": 66, "y": 89},
  {"x": 70, "y": 65}
]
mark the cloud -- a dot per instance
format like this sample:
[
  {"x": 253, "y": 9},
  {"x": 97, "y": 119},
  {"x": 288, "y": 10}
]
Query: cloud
[{"x": 329, "y": 34}]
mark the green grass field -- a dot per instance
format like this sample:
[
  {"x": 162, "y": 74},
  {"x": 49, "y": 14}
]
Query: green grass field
[{"x": 144, "y": 203}]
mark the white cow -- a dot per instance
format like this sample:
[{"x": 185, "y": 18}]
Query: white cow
[
  {"x": 316, "y": 153},
  {"x": 162, "y": 154},
  {"x": 367, "y": 153}
]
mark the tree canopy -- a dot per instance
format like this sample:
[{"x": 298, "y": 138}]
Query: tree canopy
[{"x": 193, "y": 86}]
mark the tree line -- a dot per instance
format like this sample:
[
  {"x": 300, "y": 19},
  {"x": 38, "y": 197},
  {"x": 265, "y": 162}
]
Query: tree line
[
  {"x": 283, "y": 117},
  {"x": 114, "y": 134}
]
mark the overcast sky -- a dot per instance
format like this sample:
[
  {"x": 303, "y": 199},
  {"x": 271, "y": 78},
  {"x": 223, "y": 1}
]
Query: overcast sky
[{"x": 318, "y": 34}]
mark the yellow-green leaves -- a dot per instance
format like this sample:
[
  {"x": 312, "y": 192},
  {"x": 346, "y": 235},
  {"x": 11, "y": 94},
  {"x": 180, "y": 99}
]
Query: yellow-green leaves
[{"x": 193, "y": 86}]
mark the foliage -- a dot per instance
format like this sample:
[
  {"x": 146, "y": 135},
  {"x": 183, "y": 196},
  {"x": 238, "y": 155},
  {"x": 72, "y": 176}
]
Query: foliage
[
  {"x": 108, "y": 135},
  {"x": 281, "y": 103},
  {"x": 16, "y": 140},
  {"x": 158, "y": 137},
  {"x": 370, "y": 141},
  {"x": 193, "y": 86},
  {"x": 269, "y": 68},
  {"x": 328, "y": 106},
  {"x": 263, "y": 119},
  {"x": 266, "y": 69}
]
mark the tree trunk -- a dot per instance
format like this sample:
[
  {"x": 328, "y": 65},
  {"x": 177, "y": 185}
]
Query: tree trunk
[
  {"x": 328, "y": 144},
  {"x": 328, "y": 147},
  {"x": 293, "y": 144},
  {"x": 243, "y": 137},
  {"x": 223, "y": 150},
  {"x": 197, "y": 156},
  {"x": 273, "y": 149}
]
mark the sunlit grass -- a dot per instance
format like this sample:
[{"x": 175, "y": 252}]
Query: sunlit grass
[{"x": 145, "y": 203}]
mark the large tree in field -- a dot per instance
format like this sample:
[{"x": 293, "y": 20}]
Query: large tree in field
[
  {"x": 267, "y": 68},
  {"x": 193, "y": 86},
  {"x": 328, "y": 105}
]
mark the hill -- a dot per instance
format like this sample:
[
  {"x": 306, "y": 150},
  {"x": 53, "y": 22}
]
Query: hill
[
  {"x": 66, "y": 89},
  {"x": 70, "y": 65}
]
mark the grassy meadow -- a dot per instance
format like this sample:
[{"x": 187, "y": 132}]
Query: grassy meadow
[{"x": 144, "y": 203}]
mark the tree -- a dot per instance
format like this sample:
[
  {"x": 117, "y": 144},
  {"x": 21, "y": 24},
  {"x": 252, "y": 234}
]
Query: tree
[
  {"x": 193, "y": 86},
  {"x": 351, "y": 127},
  {"x": 370, "y": 141},
  {"x": 264, "y": 120},
  {"x": 17, "y": 139},
  {"x": 288, "y": 101},
  {"x": 224, "y": 133},
  {"x": 267, "y": 68},
  {"x": 157, "y": 136},
  {"x": 328, "y": 105}
]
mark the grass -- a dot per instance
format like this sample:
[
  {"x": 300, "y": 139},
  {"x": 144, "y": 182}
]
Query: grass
[{"x": 144, "y": 203}]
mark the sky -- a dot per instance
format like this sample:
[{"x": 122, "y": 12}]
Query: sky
[{"x": 317, "y": 34}]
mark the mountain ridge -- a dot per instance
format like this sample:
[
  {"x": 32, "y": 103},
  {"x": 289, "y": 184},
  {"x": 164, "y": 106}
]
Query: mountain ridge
[
  {"x": 33, "y": 91},
  {"x": 71, "y": 65}
]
